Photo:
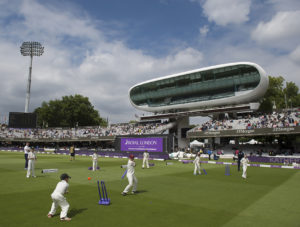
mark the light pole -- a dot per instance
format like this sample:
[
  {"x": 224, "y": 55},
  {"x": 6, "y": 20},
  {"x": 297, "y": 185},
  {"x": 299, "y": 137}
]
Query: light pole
[{"x": 30, "y": 49}]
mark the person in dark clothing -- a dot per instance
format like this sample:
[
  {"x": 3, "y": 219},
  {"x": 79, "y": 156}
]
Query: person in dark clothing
[
  {"x": 26, "y": 151},
  {"x": 240, "y": 156}
]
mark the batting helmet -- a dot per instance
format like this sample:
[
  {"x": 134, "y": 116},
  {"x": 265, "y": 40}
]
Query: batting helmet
[{"x": 131, "y": 156}]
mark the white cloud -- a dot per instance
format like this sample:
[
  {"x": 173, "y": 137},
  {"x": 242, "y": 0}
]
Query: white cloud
[
  {"x": 295, "y": 55},
  {"x": 203, "y": 30},
  {"x": 77, "y": 59},
  {"x": 274, "y": 65},
  {"x": 80, "y": 59},
  {"x": 224, "y": 12},
  {"x": 286, "y": 5},
  {"x": 282, "y": 31}
]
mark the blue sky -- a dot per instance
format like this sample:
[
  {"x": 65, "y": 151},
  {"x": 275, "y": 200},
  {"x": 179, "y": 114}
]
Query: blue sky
[{"x": 101, "y": 48}]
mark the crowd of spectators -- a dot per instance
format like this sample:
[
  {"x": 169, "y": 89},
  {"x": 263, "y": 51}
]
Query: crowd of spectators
[
  {"x": 274, "y": 120},
  {"x": 82, "y": 132}
]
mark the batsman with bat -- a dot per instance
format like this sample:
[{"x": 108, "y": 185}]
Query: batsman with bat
[{"x": 132, "y": 181}]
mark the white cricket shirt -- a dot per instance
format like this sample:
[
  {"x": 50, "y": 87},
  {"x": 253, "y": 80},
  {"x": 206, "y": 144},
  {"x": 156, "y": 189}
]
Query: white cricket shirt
[
  {"x": 26, "y": 149},
  {"x": 61, "y": 188},
  {"x": 146, "y": 155},
  {"x": 197, "y": 160},
  {"x": 31, "y": 155},
  {"x": 130, "y": 167},
  {"x": 95, "y": 157}
]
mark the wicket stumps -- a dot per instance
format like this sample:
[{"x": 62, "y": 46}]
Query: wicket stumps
[
  {"x": 227, "y": 170},
  {"x": 204, "y": 171},
  {"x": 104, "y": 200}
]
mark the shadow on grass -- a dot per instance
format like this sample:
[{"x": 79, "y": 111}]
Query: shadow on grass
[
  {"x": 140, "y": 191},
  {"x": 73, "y": 212},
  {"x": 42, "y": 176}
]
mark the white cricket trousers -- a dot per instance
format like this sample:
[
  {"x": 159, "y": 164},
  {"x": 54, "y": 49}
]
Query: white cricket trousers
[
  {"x": 95, "y": 164},
  {"x": 197, "y": 169},
  {"x": 132, "y": 182},
  {"x": 244, "y": 171},
  {"x": 145, "y": 161},
  {"x": 30, "y": 168},
  {"x": 59, "y": 200}
]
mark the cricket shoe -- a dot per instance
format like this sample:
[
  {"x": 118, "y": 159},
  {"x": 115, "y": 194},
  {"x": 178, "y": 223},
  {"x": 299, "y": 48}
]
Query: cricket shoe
[
  {"x": 50, "y": 216},
  {"x": 133, "y": 192},
  {"x": 123, "y": 193}
]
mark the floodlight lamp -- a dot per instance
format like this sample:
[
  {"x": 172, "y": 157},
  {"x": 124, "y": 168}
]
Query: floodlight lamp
[{"x": 32, "y": 49}]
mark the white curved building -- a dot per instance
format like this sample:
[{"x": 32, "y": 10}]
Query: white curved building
[{"x": 220, "y": 85}]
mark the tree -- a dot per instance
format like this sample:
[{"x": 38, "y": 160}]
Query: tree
[
  {"x": 279, "y": 95},
  {"x": 274, "y": 95},
  {"x": 292, "y": 97},
  {"x": 70, "y": 111}
]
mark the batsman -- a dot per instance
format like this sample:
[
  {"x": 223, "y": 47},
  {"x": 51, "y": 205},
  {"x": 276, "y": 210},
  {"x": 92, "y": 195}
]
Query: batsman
[{"x": 132, "y": 180}]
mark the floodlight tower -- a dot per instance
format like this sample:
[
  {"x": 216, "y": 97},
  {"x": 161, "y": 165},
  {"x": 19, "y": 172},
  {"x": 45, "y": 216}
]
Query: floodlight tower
[{"x": 30, "y": 49}]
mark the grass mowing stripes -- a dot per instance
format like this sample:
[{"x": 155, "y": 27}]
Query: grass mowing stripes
[{"x": 169, "y": 195}]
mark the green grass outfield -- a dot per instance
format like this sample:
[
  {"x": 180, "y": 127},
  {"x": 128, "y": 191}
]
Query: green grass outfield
[{"x": 169, "y": 195}]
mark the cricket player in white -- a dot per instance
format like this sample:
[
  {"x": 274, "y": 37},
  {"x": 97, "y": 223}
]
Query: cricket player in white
[
  {"x": 132, "y": 181},
  {"x": 95, "y": 161},
  {"x": 245, "y": 162},
  {"x": 197, "y": 164},
  {"x": 145, "y": 160},
  {"x": 59, "y": 199},
  {"x": 31, "y": 162}
]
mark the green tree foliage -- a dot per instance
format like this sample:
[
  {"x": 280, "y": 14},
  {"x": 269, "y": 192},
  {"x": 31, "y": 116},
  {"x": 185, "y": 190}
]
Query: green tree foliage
[
  {"x": 279, "y": 95},
  {"x": 292, "y": 94},
  {"x": 70, "y": 111}
]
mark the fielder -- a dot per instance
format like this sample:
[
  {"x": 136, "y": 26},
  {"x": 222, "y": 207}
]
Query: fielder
[
  {"x": 72, "y": 152},
  {"x": 31, "y": 162},
  {"x": 95, "y": 161},
  {"x": 145, "y": 159},
  {"x": 59, "y": 199},
  {"x": 132, "y": 181},
  {"x": 244, "y": 161},
  {"x": 197, "y": 164}
]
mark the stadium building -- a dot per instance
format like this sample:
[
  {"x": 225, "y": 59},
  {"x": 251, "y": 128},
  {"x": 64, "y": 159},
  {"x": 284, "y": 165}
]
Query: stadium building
[
  {"x": 227, "y": 88},
  {"x": 229, "y": 94}
]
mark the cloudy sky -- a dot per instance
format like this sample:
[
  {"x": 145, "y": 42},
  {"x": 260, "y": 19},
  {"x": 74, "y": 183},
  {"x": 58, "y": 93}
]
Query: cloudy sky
[{"x": 101, "y": 48}]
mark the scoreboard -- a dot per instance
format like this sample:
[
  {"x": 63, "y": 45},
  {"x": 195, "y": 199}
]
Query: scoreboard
[{"x": 22, "y": 120}]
